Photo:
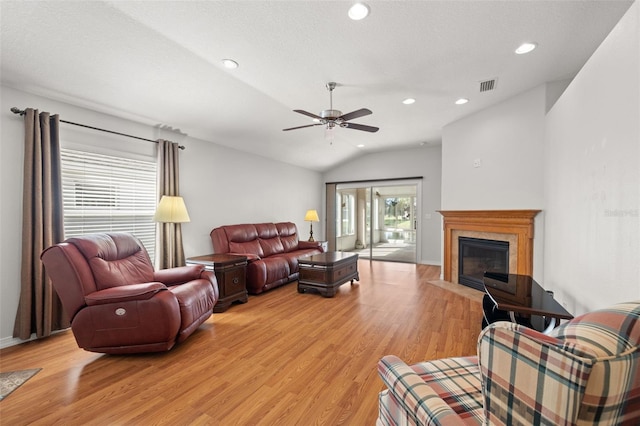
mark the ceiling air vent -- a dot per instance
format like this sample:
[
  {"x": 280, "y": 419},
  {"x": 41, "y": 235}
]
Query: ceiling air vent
[{"x": 487, "y": 85}]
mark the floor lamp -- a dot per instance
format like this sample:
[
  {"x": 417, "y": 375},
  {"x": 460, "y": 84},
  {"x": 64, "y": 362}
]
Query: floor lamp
[{"x": 172, "y": 210}]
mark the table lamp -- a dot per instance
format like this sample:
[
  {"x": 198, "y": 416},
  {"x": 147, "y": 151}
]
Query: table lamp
[{"x": 311, "y": 216}]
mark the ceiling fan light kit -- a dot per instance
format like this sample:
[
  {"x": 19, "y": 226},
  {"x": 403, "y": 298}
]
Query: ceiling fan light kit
[{"x": 331, "y": 118}]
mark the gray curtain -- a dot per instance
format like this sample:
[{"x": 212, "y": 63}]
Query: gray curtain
[
  {"x": 330, "y": 215},
  {"x": 169, "y": 249},
  {"x": 40, "y": 310}
]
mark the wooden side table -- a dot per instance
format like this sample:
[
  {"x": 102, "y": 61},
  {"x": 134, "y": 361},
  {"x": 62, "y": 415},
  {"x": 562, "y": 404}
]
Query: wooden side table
[{"x": 231, "y": 273}]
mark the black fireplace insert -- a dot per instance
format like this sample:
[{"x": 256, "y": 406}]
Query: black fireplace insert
[{"x": 477, "y": 256}]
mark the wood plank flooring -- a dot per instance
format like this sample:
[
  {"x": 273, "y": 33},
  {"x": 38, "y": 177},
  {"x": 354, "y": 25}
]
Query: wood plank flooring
[{"x": 283, "y": 358}]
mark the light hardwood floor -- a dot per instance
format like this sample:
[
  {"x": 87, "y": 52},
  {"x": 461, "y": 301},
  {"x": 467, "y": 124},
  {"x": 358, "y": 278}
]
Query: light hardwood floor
[{"x": 283, "y": 358}]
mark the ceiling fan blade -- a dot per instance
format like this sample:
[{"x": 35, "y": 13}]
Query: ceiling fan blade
[
  {"x": 361, "y": 127},
  {"x": 302, "y": 127},
  {"x": 356, "y": 114},
  {"x": 308, "y": 114}
]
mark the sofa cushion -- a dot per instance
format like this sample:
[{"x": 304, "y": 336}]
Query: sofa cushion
[
  {"x": 271, "y": 246},
  {"x": 288, "y": 235},
  {"x": 240, "y": 233},
  {"x": 249, "y": 247},
  {"x": 266, "y": 230},
  {"x": 266, "y": 271}
]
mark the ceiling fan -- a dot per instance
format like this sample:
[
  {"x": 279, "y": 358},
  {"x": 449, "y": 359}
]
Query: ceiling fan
[{"x": 332, "y": 117}]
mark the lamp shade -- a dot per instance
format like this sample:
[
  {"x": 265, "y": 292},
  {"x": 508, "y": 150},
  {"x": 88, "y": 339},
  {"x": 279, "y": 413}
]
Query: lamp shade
[
  {"x": 311, "y": 216},
  {"x": 171, "y": 210}
]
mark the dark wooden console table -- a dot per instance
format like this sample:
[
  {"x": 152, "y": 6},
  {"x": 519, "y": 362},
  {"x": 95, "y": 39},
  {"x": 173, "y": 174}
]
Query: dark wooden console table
[
  {"x": 231, "y": 272},
  {"x": 325, "y": 272},
  {"x": 522, "y": 295}
]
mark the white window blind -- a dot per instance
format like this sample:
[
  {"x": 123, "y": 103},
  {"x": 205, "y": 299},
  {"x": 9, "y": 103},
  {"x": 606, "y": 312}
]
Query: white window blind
[{"x": 103, "y": 193}]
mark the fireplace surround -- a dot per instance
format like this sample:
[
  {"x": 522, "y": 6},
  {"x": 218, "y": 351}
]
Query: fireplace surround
[{"x": 512, "y": 226}]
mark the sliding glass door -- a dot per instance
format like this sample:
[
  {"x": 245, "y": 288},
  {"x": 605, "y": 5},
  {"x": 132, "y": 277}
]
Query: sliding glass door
[{"x": 378, "y": 220}]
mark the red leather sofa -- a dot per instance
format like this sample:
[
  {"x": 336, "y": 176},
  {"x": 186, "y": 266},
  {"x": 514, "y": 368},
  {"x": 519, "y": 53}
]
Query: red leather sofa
[
  {"x": 117, "y": 303},
  {"x": 272, "y": 250}
]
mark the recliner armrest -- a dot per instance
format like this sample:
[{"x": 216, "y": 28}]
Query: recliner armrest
[
  {"x": 124, "y": 293},
  {"x": 178, "y": 275},
  {"x": 415, "y": 395}
]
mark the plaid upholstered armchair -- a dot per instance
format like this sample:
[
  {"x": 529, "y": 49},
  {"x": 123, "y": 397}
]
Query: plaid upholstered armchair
[{"x": 587, "y": 372}]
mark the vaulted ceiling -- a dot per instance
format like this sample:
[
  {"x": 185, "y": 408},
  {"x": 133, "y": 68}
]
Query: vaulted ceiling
[{"x": 159, "y": 63}]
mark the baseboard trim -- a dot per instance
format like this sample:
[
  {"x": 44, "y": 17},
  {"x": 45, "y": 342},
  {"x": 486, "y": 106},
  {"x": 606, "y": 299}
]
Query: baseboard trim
[
  {"x": 7, "y": 342},
  {"x": 431, "y": 262}
]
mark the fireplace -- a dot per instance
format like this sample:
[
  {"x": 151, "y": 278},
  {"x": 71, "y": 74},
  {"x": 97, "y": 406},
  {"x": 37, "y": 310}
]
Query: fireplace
[
  {"x": 512, "y": 226},
  {"x": 476, "y": 256}
]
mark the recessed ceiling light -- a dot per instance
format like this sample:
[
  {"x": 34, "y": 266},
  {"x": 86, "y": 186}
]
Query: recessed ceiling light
[
  {"x": 358, "y": 11},
  {"x": 409, "y": 101},
  {"x": 230, "y": 63},
  {"x": 462, "y": 101},
  {"x": 525, "y": 48},
  {"x": 360, "y": 145}
]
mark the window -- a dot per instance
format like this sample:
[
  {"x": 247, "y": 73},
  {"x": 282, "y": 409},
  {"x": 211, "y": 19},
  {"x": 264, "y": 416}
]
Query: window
[
  {"x": 103, "y": 193},
  {"x": 346, "y": 214}
]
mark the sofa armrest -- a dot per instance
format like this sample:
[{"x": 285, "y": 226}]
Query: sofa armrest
[
  {"x": 415, "y": 395},
  {"x": 529, "y": 377},
  {"x": 178, "y": 275},
  {"x": 124, "y": 293},
  {"x": 310, "y": 245}
]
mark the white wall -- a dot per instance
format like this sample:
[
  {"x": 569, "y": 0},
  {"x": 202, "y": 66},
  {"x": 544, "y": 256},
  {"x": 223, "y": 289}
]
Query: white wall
[
  {"x": 220, "y": 185},
  {"x": 508, "y": 141},
  {"x": 423, "y": 161},
  {"x": 223, "y": 186},
  {"x": 592, "y": 177}
]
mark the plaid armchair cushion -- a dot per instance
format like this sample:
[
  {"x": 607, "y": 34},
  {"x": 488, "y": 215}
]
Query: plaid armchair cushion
[{"x": 441, "y": 392}]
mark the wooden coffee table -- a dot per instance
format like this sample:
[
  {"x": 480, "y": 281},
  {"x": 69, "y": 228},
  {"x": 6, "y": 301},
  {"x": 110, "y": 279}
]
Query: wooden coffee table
[{"x": 325, "y": 272}]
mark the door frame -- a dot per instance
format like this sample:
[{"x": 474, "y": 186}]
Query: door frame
[{"x": 330, "y": 215}]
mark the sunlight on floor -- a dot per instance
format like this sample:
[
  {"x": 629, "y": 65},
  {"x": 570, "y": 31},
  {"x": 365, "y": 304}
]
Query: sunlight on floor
[{"x": 394, "y": 251}]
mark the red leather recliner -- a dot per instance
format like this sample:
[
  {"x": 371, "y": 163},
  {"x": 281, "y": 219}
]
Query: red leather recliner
[{"x": 115, "y": 300}]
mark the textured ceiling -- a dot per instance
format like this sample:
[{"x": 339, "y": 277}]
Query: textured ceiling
[{"x": 159, "y": 63}]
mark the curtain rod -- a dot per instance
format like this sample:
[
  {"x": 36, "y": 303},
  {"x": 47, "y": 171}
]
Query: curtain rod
[{"x": 22, "y": 112}]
